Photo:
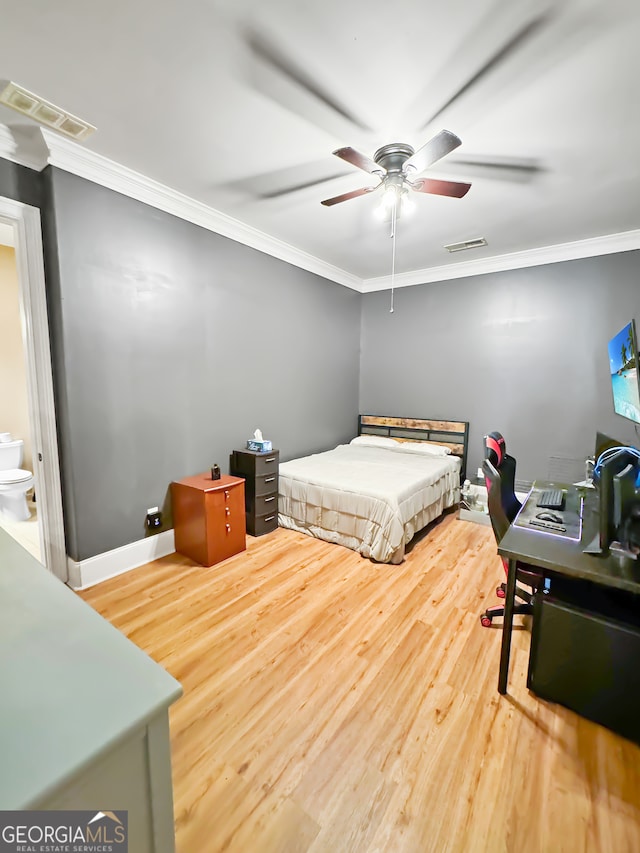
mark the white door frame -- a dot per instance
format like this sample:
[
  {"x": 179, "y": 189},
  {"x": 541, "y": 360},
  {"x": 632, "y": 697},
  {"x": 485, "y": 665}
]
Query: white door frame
[{"x": 42, "y": 416}]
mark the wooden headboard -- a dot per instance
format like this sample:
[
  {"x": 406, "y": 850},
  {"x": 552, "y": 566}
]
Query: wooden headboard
[{"x": 453, "y": 434}]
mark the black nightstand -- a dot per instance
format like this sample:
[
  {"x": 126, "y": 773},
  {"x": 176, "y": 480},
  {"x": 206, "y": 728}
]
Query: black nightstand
[{"x": 260, "y": 471}]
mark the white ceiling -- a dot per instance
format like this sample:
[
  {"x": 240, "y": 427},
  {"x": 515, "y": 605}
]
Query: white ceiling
[{"x": 234, "y": 101}]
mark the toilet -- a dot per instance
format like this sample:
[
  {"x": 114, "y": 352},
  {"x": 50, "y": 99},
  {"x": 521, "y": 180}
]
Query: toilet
[{"x": 15, "y": 482}]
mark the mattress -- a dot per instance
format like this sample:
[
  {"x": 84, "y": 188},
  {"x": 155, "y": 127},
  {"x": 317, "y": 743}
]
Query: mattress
[{"x": 370, "y": 499}]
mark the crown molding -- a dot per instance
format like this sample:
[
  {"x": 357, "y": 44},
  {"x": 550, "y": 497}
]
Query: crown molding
[
  {"x": 8, "y": 144},
  {"x": 609, "y": 244},
  {"x": 30, "y": 160},
  {"x": 14, "y": 147},
  {"x": 78, "y": 160},
  {"x": 67, "y": 155}
]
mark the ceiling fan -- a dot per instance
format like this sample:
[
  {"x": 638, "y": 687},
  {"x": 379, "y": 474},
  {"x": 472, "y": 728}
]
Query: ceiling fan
[
  {"x": 396, "y": 164},
  {"x": 492, "y": 50}
]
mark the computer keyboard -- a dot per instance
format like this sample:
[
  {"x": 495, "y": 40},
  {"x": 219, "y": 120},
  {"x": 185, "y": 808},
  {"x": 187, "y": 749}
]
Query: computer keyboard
[{"x": 551, "y": 499}]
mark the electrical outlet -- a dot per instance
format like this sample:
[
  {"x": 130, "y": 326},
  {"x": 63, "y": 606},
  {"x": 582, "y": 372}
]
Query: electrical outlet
[{"x": 154, "y": 518}]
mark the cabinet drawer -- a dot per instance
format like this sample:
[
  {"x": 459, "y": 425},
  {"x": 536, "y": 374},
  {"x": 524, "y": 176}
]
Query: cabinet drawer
[
  {"x": 264, "y": 504},
  {"x": 249, "y": 464},
  {"x": 266, "y": 485},
  {"x": 267, "y": 464},
  {"x": 264, "y": 523},
  {"x": 225, "y": 519}
]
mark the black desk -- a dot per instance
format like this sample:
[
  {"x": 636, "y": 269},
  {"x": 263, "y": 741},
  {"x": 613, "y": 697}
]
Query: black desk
[{"x": 557, "y": 556}]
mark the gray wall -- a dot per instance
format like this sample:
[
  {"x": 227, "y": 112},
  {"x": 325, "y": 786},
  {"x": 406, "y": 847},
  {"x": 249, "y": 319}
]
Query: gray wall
[
  {"x": 523, "y": 352},
  {"x": 20, "y": 183},
  {"x": 171, "y": 345}
]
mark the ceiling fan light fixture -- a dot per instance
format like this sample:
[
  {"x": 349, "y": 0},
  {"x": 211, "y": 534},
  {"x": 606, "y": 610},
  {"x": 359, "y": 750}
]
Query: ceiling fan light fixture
[
  {"x": 408, "y": 204},
  {"x": 389, "y": 197}
]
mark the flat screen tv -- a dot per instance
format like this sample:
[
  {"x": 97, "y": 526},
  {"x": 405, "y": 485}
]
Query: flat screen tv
[{"x": 623, "y": 364}]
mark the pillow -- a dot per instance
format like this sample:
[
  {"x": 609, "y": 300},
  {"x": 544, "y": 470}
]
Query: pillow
[
  {"x": 423, "y": 448},
  {"x": 374, "y": 441}
]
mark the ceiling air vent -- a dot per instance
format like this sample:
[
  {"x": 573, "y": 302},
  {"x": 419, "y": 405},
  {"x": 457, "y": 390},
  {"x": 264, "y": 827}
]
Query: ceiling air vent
[
  {"x": 466, "y": 244},
  {"x": 44, "y": 112}
]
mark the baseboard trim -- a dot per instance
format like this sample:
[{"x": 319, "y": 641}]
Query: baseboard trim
[{"x": 88, "y": 572}]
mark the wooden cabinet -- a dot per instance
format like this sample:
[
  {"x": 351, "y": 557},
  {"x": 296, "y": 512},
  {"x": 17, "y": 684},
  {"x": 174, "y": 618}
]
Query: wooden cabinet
[
  {"x": 208, "y": 517},
  {"x": 260, "y": 471}
]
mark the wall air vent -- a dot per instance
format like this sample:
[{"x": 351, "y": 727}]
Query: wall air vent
[
  {"x": 466, "y": 244},
  {"x": 44, "y": 112}
]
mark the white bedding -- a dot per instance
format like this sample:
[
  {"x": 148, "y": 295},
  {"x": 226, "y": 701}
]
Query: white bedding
[{"x": 371, "y": 499}]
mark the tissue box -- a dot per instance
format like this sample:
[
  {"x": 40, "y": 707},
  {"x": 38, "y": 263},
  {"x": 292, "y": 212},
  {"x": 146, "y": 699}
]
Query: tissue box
[{"x": 263, "y": 446}]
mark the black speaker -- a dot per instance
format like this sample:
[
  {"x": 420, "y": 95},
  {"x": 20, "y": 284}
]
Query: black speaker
[{"x": 585, "y": 654}]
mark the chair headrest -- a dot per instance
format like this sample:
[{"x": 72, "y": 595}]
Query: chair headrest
[{"x": 494, "y": 448}]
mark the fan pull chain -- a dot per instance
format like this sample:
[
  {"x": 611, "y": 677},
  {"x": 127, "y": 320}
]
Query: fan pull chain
[{"x": 393, "y": 251}]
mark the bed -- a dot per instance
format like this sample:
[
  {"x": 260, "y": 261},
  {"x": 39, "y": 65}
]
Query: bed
[{"x": 375, "y": 493}]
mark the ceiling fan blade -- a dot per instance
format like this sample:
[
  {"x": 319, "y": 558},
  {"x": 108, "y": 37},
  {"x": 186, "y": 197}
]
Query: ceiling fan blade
[
  {"x": 360, "y": 160},
  {"x": 491, "y": 53},
  {"x": 279, "y": 76},
  {"x": 512, "y": 169},
  {"x": 302, "y": 185},
  {"x": 289, "y": 180},
  {"x": 453, "y": 189},
  {"x": 516, "y": 41},
  {"x": 346, "y": 196},
  {"x": 432, "y": 151}
]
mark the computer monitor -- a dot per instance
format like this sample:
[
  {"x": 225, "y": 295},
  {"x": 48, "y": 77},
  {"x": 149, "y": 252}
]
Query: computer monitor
[{"x": 624, "y": 495}]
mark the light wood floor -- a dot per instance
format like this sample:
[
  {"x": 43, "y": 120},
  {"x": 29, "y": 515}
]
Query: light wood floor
[{"x": 332, "y": 704}]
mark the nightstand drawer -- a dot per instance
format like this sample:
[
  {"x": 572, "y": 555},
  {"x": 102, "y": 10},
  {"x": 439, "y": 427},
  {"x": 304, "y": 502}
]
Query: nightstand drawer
[
  {"x": 263, "y": 504},
  {"x": 249, "y": 463},
  {"x": 265, "y": 523},
  {"x": 267, "y": 463},
  {"x": 266, "y": 485}
]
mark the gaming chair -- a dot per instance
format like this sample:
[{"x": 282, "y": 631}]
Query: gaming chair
[{"x": 499, "y": 473}]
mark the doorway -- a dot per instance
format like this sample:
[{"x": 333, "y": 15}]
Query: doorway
[
  {"x": 21, "y": 223},
  {"x": 20, "y": 521}
]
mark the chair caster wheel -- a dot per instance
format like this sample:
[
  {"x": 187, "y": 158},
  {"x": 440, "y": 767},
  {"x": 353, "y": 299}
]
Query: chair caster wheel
[
  {"x": 485, "y": 621},
  {"x": 501, "y": 591}
]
